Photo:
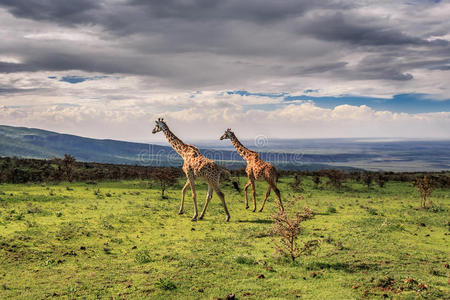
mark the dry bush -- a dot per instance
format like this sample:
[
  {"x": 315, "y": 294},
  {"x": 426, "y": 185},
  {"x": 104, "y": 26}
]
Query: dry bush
[
  {"x": 288, "y": 230},
  {"x": 296, "y": 184},
  {"x": 425, "y": 188}
]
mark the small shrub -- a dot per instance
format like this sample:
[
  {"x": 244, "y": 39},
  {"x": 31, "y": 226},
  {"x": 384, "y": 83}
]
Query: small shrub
[
  {"x": 288, "y": 230},
  {"x": 59, "y": 214},
  {"x": 331, "y": 210},
  {"x": 142, "y": 257},
  {"x": 425, "y": 188},
  {"x": 19, "y": 216},
  {"x": 33, "y": 209},
  {"x": 245, "y": 260},
  {"x": 67, "y": 231},
  {"x": 372, "y": 211},
  {"x": 165, "y": 284}
]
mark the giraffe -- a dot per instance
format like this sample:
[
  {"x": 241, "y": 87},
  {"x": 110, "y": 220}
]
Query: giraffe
[
  {"x": 195, "y": 165},
  {"x": 256, "y": 169}
]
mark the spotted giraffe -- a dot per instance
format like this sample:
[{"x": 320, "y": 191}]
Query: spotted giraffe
[
  {"x": 256, "y": 169},
  {"x": 195, "y": 165}
]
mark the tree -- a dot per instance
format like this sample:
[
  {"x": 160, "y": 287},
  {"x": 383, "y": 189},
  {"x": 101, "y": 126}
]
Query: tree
[
  {"x": 68, "y": 165},
  {"x": 296, "y": 184},
  {"x": 165, "y": 177},
  {"x": 316, "y": 180},
  {"x": 335, "y": 177},
  {"x": 425, "y": 188},
  {"x": 367, "y": 178},
  {"x": 381, "y": 179},
  {"x": 288, "y": 230}
]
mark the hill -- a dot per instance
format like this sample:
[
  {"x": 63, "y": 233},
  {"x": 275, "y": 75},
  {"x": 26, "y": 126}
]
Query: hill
[{"x": 36, "y": 143}]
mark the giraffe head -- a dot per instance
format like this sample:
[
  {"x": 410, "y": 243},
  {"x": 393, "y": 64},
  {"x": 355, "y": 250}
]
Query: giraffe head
[
  {"x": 228, "y": 134},
  {"x": 160, "y": 125}
]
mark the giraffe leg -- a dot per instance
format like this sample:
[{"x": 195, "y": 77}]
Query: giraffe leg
[
  {"x": 254, "y": 195},
  {"x": 245, "y": 193},
  {"x": 194, "y": 197},
  {"x": 222, "y": 198},
  {"x": 265, "y": 198},
  {"x": 277, "y": 192},
  {"x": 208, "y": 197},
  {"x": 183, "y": 192}
]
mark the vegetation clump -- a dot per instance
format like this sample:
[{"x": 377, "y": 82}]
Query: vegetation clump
[
  {"x": 165, "y": 284},
  {"x": 142, "y": 257},
  {"x": 288, "y": 229},
  {"x": 424, "y": 186}
]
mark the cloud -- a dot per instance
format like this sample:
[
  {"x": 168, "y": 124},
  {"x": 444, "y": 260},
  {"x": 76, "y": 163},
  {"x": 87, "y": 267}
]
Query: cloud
[
  {"x": 229, "y": 43},
  {"x": 134, "y": 59},
  {"x": 209, "y": 114},
  {"x": 76, "y": 11}
]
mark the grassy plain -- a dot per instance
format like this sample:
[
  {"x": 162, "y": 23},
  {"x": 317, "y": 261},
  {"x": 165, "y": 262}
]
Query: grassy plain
[{"x": 122, "y": 240}]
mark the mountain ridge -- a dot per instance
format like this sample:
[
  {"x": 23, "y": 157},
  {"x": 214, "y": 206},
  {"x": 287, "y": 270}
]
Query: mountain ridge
[{"x": 291, "y": 155}]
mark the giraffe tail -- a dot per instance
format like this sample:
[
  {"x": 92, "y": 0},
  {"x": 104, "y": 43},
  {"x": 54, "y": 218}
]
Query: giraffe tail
[{"x": 227, "y": 174}]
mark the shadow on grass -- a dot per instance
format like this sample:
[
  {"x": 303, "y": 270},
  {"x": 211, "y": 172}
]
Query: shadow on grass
[
  {"x": 346, "y": 267},
  {"x": 259, "y": 221}
]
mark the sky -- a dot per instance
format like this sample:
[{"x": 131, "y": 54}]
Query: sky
[{"x": 274, "y": 68}]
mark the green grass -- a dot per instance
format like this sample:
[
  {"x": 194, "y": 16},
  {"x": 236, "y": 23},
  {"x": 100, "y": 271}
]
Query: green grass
[{"x": 121, "y": 240}]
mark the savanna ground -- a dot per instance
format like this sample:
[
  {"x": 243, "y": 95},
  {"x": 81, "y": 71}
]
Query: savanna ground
[{"x": 122, "y": 240}]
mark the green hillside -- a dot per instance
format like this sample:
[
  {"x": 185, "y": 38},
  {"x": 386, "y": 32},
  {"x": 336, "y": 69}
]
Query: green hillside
[{"x": 36, "y": 143}]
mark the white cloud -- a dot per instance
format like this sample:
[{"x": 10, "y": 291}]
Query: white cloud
[
  {"x": 208, "y": 117},
  {"x": 163, "y": 61}
]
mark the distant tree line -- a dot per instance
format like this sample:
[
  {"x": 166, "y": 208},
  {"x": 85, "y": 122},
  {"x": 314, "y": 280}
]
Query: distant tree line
[
  {"x": 23, "y": 170},
  {"x": 336, "y": 178}
]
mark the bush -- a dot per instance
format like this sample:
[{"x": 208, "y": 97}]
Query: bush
[
  {"x": 425, "y": 188},
  {"x": 372, "y": 211},
  {"x": 288, "y": 230},
  {"x": 165, "y": 284},
  {"x": 245, "y": 260},
  {"x": 331, "y": 210},
  {"x": 142, "y": 257}
]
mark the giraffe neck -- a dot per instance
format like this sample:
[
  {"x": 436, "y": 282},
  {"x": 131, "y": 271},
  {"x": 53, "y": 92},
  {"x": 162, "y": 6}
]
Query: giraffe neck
[
  {"x": 244, "y": 152},
  {"x": 177, "y": 144}
]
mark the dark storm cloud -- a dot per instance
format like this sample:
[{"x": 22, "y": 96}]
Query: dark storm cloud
[
  {"x": 347, "y": 28},
  {"x": 12, "y": 90},
  {"x": 249, "y": 10},
  {"x": 191, "y": 43},
  {"x": 132, "y": 15},
  {"x": 6, "y": 67},
  {"x": 323, "y": 68},
  {"x": 67, "y": 12}
]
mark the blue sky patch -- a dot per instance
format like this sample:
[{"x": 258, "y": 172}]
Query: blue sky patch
[
  {"x": 246, "y": 93},
  {"x": 406, "y": 103},
  {"x": 77, "y": 79}
]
